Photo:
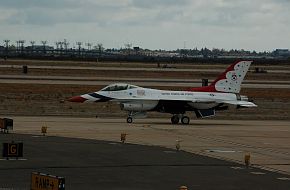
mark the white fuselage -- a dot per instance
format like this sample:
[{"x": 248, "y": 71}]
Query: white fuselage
[{"x": 198, "y": 100}]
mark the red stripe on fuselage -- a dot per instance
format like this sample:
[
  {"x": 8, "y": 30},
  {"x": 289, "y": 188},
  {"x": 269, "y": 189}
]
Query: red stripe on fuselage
[{"x": 210, "y": 88}]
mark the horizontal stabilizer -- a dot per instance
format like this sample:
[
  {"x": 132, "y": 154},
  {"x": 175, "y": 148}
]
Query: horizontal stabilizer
[{"x": 241, "y": 103}]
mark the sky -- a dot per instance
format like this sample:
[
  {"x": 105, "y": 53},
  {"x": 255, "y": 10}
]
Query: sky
[{"x": 260, "y": 25}]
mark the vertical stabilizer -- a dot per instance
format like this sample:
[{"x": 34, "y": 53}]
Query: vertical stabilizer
[{"x": 229, "y": 81}]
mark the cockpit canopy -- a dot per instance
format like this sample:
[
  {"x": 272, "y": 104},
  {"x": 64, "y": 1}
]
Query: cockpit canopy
[{"x": 118, "y": 87}]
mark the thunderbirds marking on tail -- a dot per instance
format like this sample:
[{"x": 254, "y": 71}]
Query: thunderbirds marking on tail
[
  {"x": 229, "y": 81},
  {"x": 204, "y": 101}
]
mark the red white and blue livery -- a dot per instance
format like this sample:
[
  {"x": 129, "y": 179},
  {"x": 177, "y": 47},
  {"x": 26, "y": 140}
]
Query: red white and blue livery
[{"x": 203, "y": 101}]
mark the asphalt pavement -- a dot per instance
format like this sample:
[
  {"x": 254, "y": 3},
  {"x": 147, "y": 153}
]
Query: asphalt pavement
[{"x": 92, "y": 164}]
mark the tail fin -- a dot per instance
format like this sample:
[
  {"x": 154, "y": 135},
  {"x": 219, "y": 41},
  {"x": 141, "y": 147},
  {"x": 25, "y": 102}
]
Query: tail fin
[{"x": 229, "y": 81}]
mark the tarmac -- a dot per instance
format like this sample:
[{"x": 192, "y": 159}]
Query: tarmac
[
  {"x": 94, "y": 164},
  {"x": 88, "y": 153}
]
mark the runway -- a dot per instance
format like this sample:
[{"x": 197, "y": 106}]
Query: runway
[
  {"x": 92, "y": 164},
  {"x": 23, "y": 79}
]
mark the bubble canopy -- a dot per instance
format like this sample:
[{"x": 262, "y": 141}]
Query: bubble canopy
[{"x": 118, "y": 87}]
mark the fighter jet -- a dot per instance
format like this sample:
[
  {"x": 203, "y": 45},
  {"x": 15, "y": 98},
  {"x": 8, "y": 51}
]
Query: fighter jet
[{"x": 203, "y": 101}]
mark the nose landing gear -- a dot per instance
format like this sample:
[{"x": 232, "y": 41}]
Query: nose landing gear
[
  {"x": 129, "y": 119},
  {"x": 134, "y": 114}
]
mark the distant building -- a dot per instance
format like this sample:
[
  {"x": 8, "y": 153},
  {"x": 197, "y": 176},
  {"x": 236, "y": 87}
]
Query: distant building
[
  {"x": 282, "y": 53},
  {"x": 136, "y": 49},
  {"x": 39, "y": 48}
]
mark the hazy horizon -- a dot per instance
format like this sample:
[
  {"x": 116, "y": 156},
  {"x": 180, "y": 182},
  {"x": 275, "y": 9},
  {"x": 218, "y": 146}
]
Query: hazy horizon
[{"x": 260, "y": 25}]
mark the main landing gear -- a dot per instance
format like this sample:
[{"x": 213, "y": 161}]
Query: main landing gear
[
  {"x": 184, "y": 119},
  {"x": 175, "y": 119}
]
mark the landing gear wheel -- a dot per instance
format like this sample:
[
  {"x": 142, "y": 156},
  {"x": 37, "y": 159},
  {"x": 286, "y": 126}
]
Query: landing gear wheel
[
  {"x": 174, "y": 119},
  {"x": 185, "y": 120},
  {"x": 129, "y": 119}
]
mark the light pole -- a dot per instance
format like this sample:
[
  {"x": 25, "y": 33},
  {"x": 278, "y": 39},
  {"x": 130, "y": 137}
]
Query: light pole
[
  {"x": 32, "y": 46},
  {"x": 22, "y": 45},
  {"x": 44, "y": 46},
  {"x": 79, "y": 44},
  {"x": 65, "y": 43},
  {"x": 100, "y": 48},
  {"x": 89, "y": 47},
  {"x": 7, "y": 48},
  {"x": 17, "y": 46}
]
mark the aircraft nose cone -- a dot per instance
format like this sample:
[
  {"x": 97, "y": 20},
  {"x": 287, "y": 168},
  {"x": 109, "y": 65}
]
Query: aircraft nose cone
[{"x": 77, "y": 99}]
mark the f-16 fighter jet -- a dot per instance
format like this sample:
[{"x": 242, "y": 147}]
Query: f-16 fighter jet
[{"x": 203, "y": 101}]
